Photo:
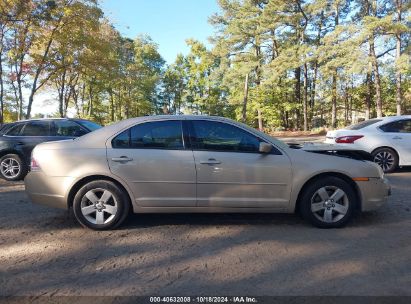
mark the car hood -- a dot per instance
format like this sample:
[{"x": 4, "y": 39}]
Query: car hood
[
  {"x": 333, "y": 150},
  {"x": 322, "y": 158}
]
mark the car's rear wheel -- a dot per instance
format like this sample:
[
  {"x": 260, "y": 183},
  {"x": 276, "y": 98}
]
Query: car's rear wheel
[
  {"x": 386, "y": 158},
  {"x": 101, "y": 205},
  {"x": 328, "y": 202},
  {"x": 12, "y": 168}
]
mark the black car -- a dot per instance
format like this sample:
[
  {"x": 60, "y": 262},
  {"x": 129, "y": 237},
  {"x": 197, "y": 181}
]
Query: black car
[{"x": 18, "y": 139}]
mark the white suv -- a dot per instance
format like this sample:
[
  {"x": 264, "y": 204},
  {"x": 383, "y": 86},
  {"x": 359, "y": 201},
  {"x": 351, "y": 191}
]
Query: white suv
[{"x": 388, "y": 140}]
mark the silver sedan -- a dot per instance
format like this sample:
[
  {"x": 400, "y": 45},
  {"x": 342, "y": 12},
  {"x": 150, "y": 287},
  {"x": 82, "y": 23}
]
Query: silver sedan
[{"x": 190, "y": 164}]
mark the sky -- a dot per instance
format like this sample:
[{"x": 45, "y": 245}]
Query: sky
[{"x": 168, "y": 22}]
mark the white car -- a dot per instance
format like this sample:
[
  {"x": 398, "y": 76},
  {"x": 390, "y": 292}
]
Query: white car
[{"x": 388, "y": 140}]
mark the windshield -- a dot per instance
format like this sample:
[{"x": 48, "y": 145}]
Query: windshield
[
  {"x": 363, "y": 124},
  {"x": 92, "y": 126}
]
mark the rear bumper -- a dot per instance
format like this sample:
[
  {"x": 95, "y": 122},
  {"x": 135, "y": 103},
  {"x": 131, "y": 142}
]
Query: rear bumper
[
  {"x": 374, "y": 193},
  {"x": 46, "y": 190}
]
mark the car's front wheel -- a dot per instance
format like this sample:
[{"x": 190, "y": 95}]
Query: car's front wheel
[
  {"x": 328, "y": 202},
  {"x": 386, "y": 158},
  {"x": 12, "y": 168},
  {"x": 101, "y": 205}
]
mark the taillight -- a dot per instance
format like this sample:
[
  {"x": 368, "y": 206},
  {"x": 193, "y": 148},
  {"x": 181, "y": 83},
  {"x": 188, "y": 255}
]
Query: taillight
[
  {"x": 347, "y": 139},
  {"x": 34, "y": 166}
]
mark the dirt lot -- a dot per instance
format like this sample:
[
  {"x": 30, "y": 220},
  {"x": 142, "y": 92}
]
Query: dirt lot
[{"x": 44, "y": 252}]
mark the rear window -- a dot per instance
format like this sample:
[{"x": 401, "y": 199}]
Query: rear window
[
  {"x": 4, "y": 128},
  {"x": 13, "y": 130},
  {"x": 363, "y": 124}
]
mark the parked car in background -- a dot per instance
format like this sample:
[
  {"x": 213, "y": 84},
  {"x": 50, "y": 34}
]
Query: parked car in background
[
  {"x": 388, "y": 140},
  {"x": 18, "y": 139},
  {"x": 198, "y": 164}
]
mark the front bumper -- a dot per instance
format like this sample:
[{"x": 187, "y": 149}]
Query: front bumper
[
  {"x": 46, "y": 190},
  {"x": 374, "y": 193}
]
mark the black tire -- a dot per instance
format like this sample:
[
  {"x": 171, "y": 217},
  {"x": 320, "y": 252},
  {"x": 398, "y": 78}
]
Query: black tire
[
  {"x": 118, "y": 201},
  {"x": 12, "y": 160},
  {"x": 330, "y": 185},
  {"x": 386, "y": 158}
]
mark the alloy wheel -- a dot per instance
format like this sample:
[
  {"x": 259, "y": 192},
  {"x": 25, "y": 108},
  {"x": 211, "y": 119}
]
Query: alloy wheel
[
  {"x": 10, "y": 168},
  {"x": 384, "y": 159},
  {"x": 99, "y": 206},
  {"x": 329, "y": 204}
]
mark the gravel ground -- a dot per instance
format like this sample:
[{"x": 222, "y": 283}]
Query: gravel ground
[{"x": 44, "y": 252}]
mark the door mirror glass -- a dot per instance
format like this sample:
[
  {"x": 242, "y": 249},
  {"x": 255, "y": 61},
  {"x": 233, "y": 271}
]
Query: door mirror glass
[{"x": 265, "y": 148}]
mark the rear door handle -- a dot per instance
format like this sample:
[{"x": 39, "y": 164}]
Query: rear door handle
[
  {"x": 210, "y": 161},
  {"x": 122, "y": 159},
  {"x": 397, "y": 137}
]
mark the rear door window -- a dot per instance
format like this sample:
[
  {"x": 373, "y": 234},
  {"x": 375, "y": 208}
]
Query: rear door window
[
  {"x": 166, "y": 135},
  {"x": 36, "y": 128},
  {"x": 400, "y": 126}
]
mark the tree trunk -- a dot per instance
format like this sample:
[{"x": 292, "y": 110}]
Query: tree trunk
[
  {"x": 334, "y": 77},
  {"x": 297, "y": 93},
  {"x": 90, "y": 102},
  {"x": 369, "y": 92},
  {"x": 374, "y": 62},
  {"x": 314, "y": 83},
  {"x": 245, "y": 99},
  {"x": 20, "y": 92},
  {"x": 1, "y": 90},
  {"x": 334, "y": 101},
  {"x": 61, "y": 94},
  {"x": 110, "y": 91},
  {"x": 260, "y": 120},
  {"x": 378, "y": 101},
  {"x": 40, "y": 68},
  {"x": 305, "y": 101},
  {"x": 398, "y": 54},
  {"x": 1, "y": 77}
]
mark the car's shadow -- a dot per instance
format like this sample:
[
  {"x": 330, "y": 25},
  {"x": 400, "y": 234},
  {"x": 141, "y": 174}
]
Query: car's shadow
[
  {"x": 211, "y": 219},
  {"x": 403, "y": 169}
]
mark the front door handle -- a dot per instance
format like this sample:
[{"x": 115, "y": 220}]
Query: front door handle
[
  {"x": 210, "y": 161},
  {"x": 122, "y": 159},
  {"x": 397, "y": 137}
]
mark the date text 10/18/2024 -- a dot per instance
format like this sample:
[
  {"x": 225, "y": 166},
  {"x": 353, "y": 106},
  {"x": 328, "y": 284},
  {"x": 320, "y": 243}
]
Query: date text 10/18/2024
[{"x": 203, "y": 299}]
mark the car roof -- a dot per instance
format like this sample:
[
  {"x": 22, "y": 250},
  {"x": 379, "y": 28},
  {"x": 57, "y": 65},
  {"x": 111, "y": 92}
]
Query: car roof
[
  {"x": 42, "y": 119},
  {"x": 99, "y": 137},
  {"x": 396, "y": 117}
]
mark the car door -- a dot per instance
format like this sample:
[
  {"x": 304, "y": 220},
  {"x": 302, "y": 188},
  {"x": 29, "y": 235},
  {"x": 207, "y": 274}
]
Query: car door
[
  {"x": 32, "y": 134},
  {"x": 231, "y": 172},
  {"x": 399, "y": 135},
  {"x": 151, "y": 157}
]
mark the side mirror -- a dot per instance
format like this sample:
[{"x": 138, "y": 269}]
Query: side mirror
[{"x": 265, "y": 148}]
